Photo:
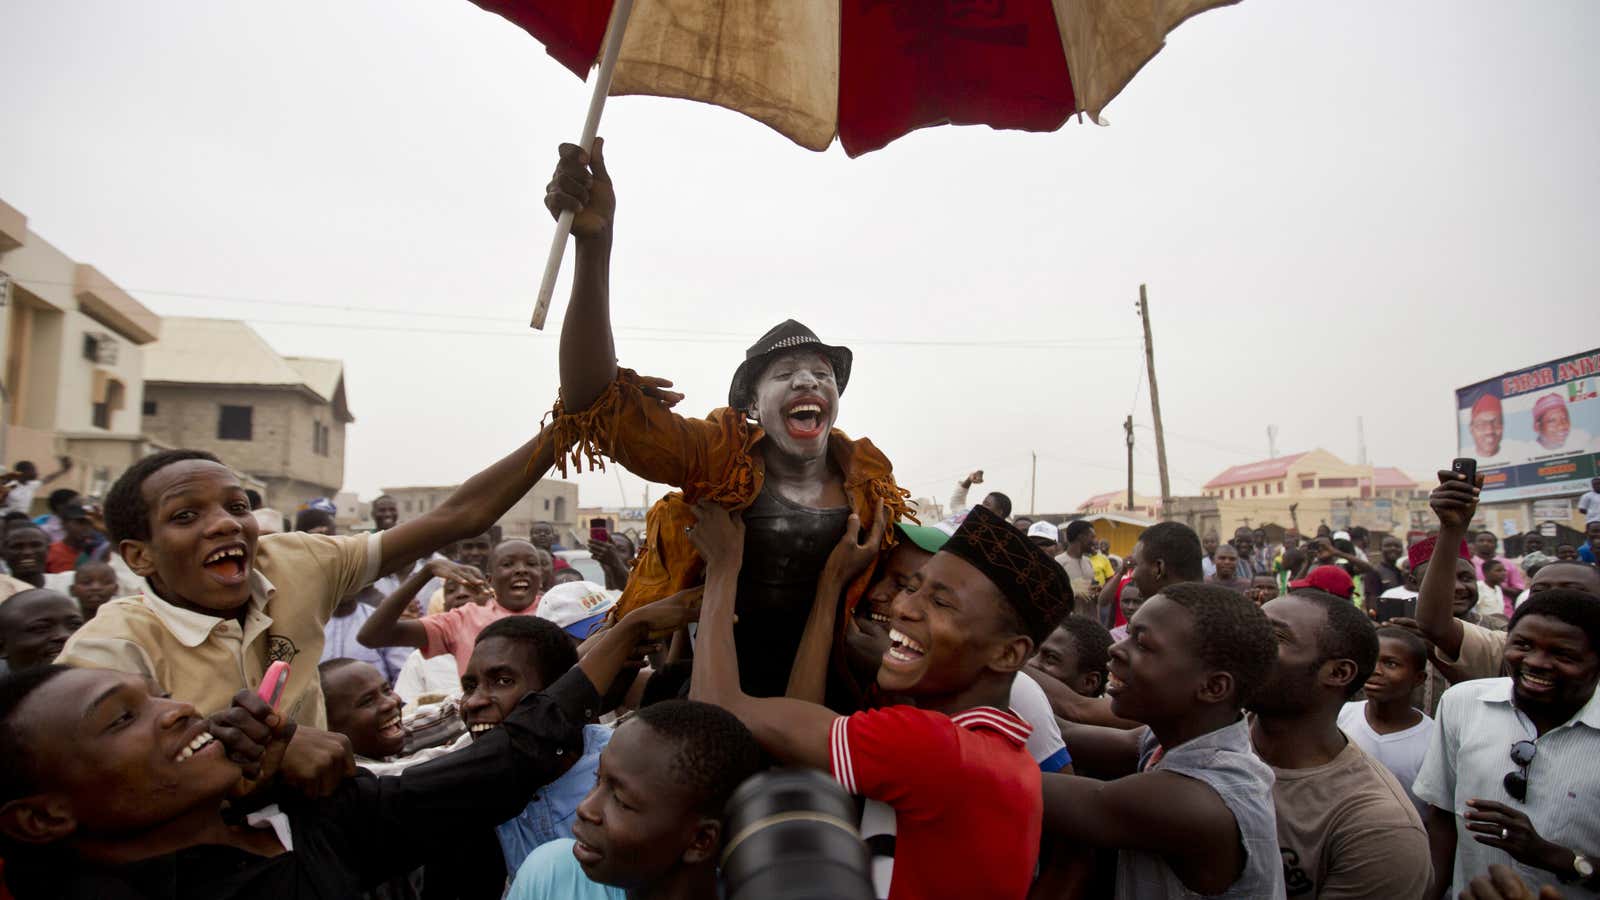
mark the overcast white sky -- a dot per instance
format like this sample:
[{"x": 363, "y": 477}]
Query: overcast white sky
[{"x": 1341, "y": 209}]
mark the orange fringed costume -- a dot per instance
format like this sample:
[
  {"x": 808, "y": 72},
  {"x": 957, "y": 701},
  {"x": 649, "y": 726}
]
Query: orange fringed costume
[{"x": 709, "y": 459}]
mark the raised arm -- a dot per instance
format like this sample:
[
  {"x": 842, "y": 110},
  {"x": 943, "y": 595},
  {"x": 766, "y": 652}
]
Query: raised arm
[
  {"x": 63, "y": 466},
  {"x": 794, "y": 731},
  {"x": 387, "y": 627},
  {"x": 639, "y": 632},
  {"x": 1454, "y": 501},
  {"x": 958, "y": 497},
  {"x": 472, "y": 509},
  {"x": 588, "y": 353},
  {"x": 850, "y": 557}
]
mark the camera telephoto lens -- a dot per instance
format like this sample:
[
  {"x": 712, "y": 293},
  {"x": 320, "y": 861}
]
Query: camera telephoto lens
[{"x": 792, "y": 836}]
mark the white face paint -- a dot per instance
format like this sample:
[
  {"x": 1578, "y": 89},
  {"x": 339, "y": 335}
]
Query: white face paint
[{"x": 797, "y": 402}]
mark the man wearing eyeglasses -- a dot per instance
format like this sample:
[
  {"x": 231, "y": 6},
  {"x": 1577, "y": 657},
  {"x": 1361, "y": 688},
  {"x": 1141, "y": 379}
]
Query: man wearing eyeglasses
[{"x": 1512, "y": 776}]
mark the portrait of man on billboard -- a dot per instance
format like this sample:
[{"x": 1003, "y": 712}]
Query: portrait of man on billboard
[
  {"x": 1488, "y": 426},
  {"x": 1551, "y": 423}
]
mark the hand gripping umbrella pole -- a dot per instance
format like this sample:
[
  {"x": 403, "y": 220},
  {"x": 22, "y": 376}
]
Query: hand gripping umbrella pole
[{"x": 591, "y": 123}]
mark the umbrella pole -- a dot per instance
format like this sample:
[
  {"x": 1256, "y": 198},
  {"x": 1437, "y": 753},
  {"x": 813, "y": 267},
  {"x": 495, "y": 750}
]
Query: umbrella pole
[{"x": 620, "y": 11}]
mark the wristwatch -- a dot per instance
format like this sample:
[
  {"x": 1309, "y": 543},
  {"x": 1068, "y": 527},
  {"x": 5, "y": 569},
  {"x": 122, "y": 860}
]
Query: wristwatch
[{"x": 1582, "y": 868}]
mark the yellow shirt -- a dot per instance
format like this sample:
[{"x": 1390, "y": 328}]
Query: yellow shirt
[
  {"x": 1103, "y": 570},
  {"x": 297, "y": 581}
]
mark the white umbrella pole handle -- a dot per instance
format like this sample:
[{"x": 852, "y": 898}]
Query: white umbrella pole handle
[{"x": 620, "y": 11}]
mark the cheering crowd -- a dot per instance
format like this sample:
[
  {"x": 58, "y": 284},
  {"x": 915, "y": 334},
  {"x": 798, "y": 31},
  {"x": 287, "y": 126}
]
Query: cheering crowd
[{"x": 1012, "y": 711}]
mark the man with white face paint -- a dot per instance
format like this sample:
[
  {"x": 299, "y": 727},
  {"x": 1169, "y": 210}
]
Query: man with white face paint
[{"x": 772, "y": 453}]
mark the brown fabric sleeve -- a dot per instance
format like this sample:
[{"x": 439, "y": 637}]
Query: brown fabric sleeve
[{"x": 709, "y": 458}]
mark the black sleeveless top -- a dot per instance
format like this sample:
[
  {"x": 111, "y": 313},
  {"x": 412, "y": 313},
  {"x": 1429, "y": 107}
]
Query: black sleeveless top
[{"x": 785, "y": 547}]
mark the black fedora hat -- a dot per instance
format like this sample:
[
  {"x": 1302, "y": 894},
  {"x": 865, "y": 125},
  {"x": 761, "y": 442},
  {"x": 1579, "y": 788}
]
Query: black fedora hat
[{"x": 787, "y": 336}]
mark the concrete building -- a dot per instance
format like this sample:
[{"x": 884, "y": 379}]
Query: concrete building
[
  {"x": 75, "y": 357},
  {"x": 550, "y": 500},
  {"x": 1312, "y": 488},
  {"x": 214, "y": 384},
  {"x": 1117, "y": 502},
  {"x": 354, "y": 513}
]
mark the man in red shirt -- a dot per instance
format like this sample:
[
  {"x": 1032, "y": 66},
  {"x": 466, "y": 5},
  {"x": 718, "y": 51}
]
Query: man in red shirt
[
  {"x": 953, "y": 766},
  {"x": 79, "y": 544}
]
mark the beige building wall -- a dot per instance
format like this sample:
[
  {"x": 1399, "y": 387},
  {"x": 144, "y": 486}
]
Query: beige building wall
[
  {"x": 1316, "y": 489},
  {"x": 53, "y": 381}
]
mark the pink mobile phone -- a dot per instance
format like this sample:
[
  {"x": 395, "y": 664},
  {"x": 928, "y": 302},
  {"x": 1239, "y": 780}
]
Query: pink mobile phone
[{"x": 272, "y": 683}]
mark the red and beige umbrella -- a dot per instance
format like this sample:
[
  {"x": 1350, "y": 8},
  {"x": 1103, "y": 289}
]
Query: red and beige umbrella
[{"x": 864, "y": 71}]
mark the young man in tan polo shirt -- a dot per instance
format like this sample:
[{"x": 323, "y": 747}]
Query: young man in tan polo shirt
[{"x": 223, "y": 603}]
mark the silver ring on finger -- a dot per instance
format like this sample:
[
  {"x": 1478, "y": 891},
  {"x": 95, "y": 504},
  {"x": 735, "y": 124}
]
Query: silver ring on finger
[{"x": 1505, "y": 833}]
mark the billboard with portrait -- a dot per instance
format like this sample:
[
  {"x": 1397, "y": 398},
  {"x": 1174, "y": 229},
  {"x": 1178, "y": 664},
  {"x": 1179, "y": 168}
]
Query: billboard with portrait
[{"x": 1535, "y": 432}]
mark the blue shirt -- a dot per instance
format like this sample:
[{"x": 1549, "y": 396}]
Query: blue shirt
[
  {"x": 548, "y": 816},
  {"x": 551, "y": 872}
]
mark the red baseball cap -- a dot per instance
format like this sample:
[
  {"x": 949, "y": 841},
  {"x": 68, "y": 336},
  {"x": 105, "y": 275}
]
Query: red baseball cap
[
  {"x": 1332, "y": 579},
  {"x": 1422, "y": 551}
]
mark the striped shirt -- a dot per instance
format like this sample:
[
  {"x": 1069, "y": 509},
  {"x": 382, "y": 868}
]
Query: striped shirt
[{"x": 1470, "y": 756}]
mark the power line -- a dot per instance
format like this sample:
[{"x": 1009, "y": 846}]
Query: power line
[
  {"x": 1207, "y": 441},
  {"x": 519, "y": 330},
  {"x": 682, "y": 335}
]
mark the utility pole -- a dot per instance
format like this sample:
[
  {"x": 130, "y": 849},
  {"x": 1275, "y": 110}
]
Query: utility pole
[
  {"x": 1033, "y": 483},
  {"x": 1128, "y": 427},
  {"x": 1155, "y": 400}
]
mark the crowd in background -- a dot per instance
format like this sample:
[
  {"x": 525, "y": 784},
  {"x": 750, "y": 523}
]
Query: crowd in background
[{"x": 987, "y": 706}]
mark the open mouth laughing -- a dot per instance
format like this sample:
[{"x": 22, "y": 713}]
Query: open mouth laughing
[
  {"x": 227, "y": 563},
  {"x": 391, "y": 726},
  {"x": 806, "y": 417},
  {"x": 904, "y": 649},
  {"x": 1535, "y": 684},
  {"x": 480, "y": 728}
]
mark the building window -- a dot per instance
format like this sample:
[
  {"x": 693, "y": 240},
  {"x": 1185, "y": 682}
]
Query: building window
[
  {"x": 561, "y": 509},
  {"x": 235, "y": 423},
  {"x": 150, "y": 407},
  {"x": 1255, "y": 490},
  {"x": 1280, "y": 487},
  {"x": 319, "y": 438},
  {"x": 109, "y": 396},
  {"x": 1337, "y": 482},
  {"x": 1307, "y": 484},
  {"x": 547, "y": 504}
]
